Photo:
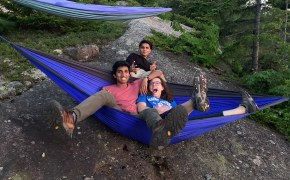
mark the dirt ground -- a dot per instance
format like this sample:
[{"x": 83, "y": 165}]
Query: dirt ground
[{"x": 30, "y": 150}]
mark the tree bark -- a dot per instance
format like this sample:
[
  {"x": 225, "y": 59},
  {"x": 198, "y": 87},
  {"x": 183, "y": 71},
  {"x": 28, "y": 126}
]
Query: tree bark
[
  {"x": 256, "y": 33},
  {"x": 286, "y": 20}
]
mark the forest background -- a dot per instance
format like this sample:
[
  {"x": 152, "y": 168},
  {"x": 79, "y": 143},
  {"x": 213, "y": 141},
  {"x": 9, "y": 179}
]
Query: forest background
[{"x": 248, "y": 39}]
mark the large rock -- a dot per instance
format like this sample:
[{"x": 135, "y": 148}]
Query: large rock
[{"x": 83, "y": 53}]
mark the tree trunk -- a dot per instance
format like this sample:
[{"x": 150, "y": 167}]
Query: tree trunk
[
  {"x": 256, "y": 32},
  {"x": 286, "y": 20}
]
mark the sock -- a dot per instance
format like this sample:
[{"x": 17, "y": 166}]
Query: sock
[{"x": 75, "y": 117}]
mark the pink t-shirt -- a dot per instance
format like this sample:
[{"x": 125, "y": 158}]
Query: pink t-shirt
[{"x": 126, "y": 97}]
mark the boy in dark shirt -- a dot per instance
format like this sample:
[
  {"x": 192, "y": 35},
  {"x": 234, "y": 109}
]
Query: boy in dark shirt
[{"x": 140, "y": 66}]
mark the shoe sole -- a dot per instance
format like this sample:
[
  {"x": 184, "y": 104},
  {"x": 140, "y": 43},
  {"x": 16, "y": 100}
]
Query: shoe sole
[
  {"x": 200, "y": 90},
  {"x": 55, "y": 118},
  {"x": 175, "y": 122},
  {"x": 251, "y": 103}
]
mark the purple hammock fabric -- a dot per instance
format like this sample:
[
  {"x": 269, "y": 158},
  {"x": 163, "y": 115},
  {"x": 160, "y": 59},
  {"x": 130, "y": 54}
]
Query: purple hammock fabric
[{"x": 80, "y": 82}]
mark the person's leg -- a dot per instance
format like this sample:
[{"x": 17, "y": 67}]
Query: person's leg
[
  {"x": 93, "y": 103},
  {"x": 199, "y": 100},
  {"x": 199, "y": 95},
  {"x": 188, "y": 105},
  {"x": 236, "y": 111},
  {"x": 150, "y": 116},
  {"x": 165, "y": 129},
  {"x": 247, "y": 105},
  {"x": 61, "y": 117}
]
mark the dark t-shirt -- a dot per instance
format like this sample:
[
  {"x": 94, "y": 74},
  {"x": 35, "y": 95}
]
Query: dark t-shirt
[{"x": 140, "y": 61}]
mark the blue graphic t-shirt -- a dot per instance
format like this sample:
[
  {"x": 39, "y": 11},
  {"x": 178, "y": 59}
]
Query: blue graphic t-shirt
[{"x": 153, "y": 102}]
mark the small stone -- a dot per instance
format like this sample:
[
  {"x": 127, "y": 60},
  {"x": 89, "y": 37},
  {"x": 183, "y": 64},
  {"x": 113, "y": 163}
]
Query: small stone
[
  {"x": 257, "y": 161},
  {"x": 239, "y": 133},
  {"x": 43, "y": 155},
  {"x": 272, "y": 142},
  {"x": 79, "y": 132},
  {"x": 208, "y": 176},
  {"x": 33, "y": 142}
]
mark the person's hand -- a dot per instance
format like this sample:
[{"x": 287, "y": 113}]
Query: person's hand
[
  {"x": 144, "y": 86},
  {"x": 153, "y": 66},
  {"x": 134, "y": 68}
]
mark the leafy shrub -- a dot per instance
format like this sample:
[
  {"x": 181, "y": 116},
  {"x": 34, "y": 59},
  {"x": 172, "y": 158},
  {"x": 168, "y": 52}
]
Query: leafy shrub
[
  {"x": 6, "y": 26},
  {"x": 278, "y": 118},
  {"x": 201, "y": 43},
  {"x": 276, "y": 83},
  {"x": 268, "y": 82}
]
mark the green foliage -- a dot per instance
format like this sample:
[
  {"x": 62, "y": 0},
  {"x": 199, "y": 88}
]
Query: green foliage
[
  {"x": 108, "y": 2},
  {"x": 268, "y": 82},
  {"x": 277, "y": 118},
  {"x": 6, "y": 26},
  {"x": 152, "y": 3},
  {"x": 276, "y": 83},
  {"x": 201, "y": 43}
]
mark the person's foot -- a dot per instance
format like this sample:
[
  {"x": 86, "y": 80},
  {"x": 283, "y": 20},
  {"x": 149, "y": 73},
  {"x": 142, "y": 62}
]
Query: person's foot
[
  {"x": 60, "y": 118},
  {"x": 248, "y": 102},
  {"x": 166, "y": 129},
  {"x": 199, "y": 97}
]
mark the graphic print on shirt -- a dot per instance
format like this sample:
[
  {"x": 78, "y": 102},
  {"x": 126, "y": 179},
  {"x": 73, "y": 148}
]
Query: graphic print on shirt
[{"x": 156, "y": 103}]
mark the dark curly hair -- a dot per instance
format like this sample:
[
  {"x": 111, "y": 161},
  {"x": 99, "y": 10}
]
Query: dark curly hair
[
  {"x": 166, "y": 94},
  {"x": 147, "y": 42},
  {"x": 118, "y": 64}
]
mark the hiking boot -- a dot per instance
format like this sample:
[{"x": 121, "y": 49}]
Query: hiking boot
[
  {"x": 198, "y": 97},
  {"x": 165, "y": 129},
  {"x": 248, "y": 102},
  {"x": 60, "y": 118}
]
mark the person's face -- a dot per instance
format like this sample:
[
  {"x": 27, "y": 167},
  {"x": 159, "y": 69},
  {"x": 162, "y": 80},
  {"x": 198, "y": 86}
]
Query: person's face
[
  {"x": 122, "y": 75},
  {"x": 144, "y": 50},
  {"x": 155, "y": 87}
]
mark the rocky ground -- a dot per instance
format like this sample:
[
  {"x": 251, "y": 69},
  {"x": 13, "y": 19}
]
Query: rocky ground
[{"x": 30, "y": 150}]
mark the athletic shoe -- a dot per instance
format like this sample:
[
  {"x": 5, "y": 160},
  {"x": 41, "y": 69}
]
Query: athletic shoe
[
  {"x": 60, "y": 118},
  {"x": 248, "y": 102},
  {"x": 167, "y": 128},
  {"x": 198, "y": 97}
]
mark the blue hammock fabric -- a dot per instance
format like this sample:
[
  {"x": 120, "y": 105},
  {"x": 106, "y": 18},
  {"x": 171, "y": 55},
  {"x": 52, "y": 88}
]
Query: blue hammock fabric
[
  {"x": 69, "y": 9},
  {"x": 80, "y": 82}
]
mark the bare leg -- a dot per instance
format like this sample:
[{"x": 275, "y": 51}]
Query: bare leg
[
  {"x": 188, "y": 105},
  {"x": 236, "y": 111}
]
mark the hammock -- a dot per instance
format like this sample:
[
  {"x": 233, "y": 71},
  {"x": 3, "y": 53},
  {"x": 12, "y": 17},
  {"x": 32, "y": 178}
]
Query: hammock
[
  {"x": 81, "y": 81},
  {"x": 69, "y": 9}
]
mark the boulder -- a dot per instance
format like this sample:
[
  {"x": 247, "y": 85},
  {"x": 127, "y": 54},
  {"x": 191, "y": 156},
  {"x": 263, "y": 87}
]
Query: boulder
[{"x": 83, "y": 53}]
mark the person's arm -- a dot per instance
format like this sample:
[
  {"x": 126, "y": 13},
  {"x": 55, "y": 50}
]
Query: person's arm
[
  {"x": 141, "y": 106},
  {"x": 144, "y": 84},
  {"x": 133, "y": 66},
  {"x": 141, "y": 103},
  {"x": 153, "y": 66}
]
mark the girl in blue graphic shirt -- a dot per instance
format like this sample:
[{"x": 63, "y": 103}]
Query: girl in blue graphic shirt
[
  {"x": 158, "y": 97},
  {"x": 161, "y": 98}
]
